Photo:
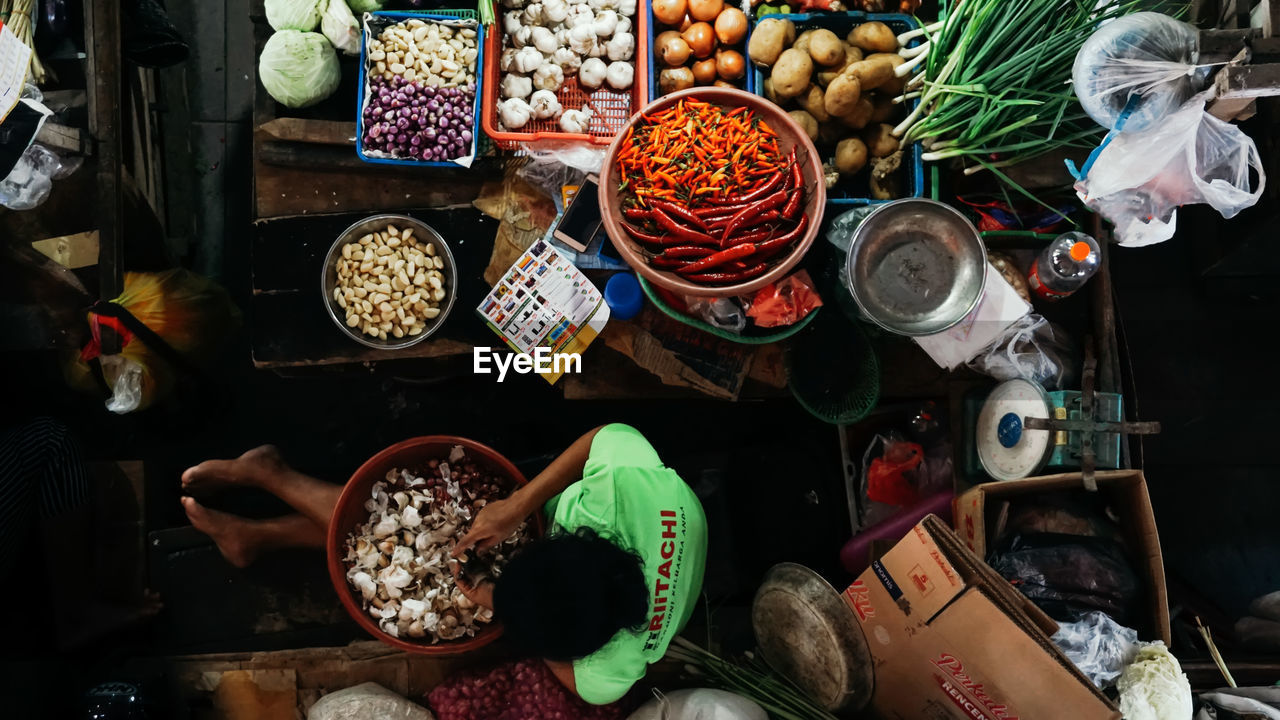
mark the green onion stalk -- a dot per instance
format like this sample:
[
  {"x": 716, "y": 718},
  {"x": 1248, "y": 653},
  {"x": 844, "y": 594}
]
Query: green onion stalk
[
  {"x": 751, "y": 679},
  {"x": 994, "y": 80},
  {"x": 487, "y": 14}
]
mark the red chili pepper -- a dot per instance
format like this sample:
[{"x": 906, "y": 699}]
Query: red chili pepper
[
  {"x": 718, "y": 259},
  {"x": 797, "y": 175},
  {"x": 725, "y": 278},
  {"x": 755, "y": 236},
  {"x": 774, "y": 181},
  {"x": 679, "y": 233},
  {"x": 642, "y": 236},
  {"x": 769, "y": 248},
  {"x": 710, "y": 210},
  {"x": 686, "y": 251},
  {"x": 667, "y": 263},
  {"x": 637, "y": 214},
  {"x": 749, "y": 216},
  {"x": 679, "y": 213},
  {"x": 794, "y": 204}
]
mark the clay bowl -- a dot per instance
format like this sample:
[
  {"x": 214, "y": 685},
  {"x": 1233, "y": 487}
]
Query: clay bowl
[
  {"x": 789, "y": 135},
  {"x": 412, "y": 453}
]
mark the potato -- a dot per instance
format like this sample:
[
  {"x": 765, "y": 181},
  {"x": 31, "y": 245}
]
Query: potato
[
  {"x": 880, "y": 140},
  {"x": 769, "y": 40},
  {"x": 769, "y": 92},
  {"x": 871, "y": 74},
  {"x": 832, "y": 132},
  {"x": 873, "y": 37},
  {"x": 806, "y": 123},
  {"x": 791, "y": 73},
  {"x": 884, "y": 179},
  {"x": 826, "y": 49},
  {"x": 894, "y": 85},
  {"x": 842, "y": 95},
  {"x": 860, "y": 115},
  {"x": 851, "y": 156},
  {"x": 813, "y": 103},
  {"x": 851, "y": 56},
  {"x": 802, "y": 40},
  {"x": 883, "y": 107}
]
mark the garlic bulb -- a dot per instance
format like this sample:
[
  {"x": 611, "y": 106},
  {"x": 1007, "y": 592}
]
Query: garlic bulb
[
  {"x": 596, "y": 51},
  {"x": 507, "y": 62},
  {"x": 514, "y": 113},
  {"x": 532, "y": 13},
  {"x": 554, "y": 11},
  {"x": 521, "y": 37},
  {"x": 603, "y": 4},
  {"x": 621, "y": 46},
  {"x": 544, "y": 40},
  {"x": 626, "y": 8},
  {"x": 516, "y": 86},
  {"x": 576, "y": 121},
  {"x": 606, "y": 22},
  {"x": 513, "y": 4},
  {"x": 592, "y": 73},
  {"x": 511, "y": 22},
  {"x": 545, "y": 104},
  {"x": 624, "y": 24},
  {"x": 620, "y": 75},
  {"x": 527, "y": 60},
  {"x": 582, "y": 39},
  {"x": 579, "y": 15},
  {"x": 548, "y": 76},
  {"x": 568, "y": 60}
]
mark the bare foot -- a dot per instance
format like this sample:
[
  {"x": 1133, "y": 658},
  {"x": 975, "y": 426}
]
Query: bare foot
[
  {"x": 230, "y": 533},
  {"x": 254, "y": 468}
]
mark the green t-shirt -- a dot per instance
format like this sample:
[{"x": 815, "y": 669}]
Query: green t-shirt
[{"x": 629, "y": 497}]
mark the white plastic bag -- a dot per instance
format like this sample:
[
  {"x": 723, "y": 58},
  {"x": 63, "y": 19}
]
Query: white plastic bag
[
  {"x": 1031, "y": 348},
  {"x": 1137, "y": 180},
  {"x": 1098, "y": 646},
  {"x": 366, "y": 701},
  {"x": 699, "y": 704},
  {"x": 1146, "y": 54}
]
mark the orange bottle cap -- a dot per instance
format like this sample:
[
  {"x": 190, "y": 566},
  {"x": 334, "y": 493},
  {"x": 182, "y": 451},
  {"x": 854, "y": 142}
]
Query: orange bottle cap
[{"x": 1080, "y": 251}]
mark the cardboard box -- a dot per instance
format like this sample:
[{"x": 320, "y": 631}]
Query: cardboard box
[
  {"x": 951, "y": 640},
  {"x": 980, "y": 510}
]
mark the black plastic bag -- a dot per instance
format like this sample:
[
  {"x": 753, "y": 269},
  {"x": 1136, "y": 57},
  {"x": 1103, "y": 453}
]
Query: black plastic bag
[{"x": 1068, "y": 576}]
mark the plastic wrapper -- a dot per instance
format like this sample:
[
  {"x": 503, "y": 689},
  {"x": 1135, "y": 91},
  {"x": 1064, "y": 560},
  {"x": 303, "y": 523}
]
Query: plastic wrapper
[
  {"x": 699, "y": 704},
  {"x": 366, "y": 701},
  {"x": 1146, "y": 55},
  {"x": 1098, "y": 646},
  {"x": 1255, "y": 703},
  {"x": 898, "y": 473},
  {"x": 785, "y": 302},
  {"x": 1069, "y": 576},
  {"x": 723, "y": 313},
  {"x": 190, "y": 313},
  {"x": 1153, "y": 686},
  {"x": 1137, "y": 180},
  {"x": 1032, "y": 348}
]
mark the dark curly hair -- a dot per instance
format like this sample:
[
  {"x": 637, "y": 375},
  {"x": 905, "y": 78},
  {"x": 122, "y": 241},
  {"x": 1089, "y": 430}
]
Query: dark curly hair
[{"x": 565, "y": 596}]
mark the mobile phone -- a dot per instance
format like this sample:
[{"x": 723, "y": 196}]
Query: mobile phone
[{"x": 581, "y": 219}]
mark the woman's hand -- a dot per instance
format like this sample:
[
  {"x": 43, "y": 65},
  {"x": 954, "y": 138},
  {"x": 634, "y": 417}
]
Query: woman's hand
[
  {"x": 480, "y": 593},
  {"x": 494, "y": 523}
]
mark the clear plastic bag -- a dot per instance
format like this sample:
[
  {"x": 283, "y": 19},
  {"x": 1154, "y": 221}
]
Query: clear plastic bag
[
  {"x": 1098, "y": 646},
  {"x": 1137, "y": 180},
  {"x": 724, "y": 313},
  {"x": 1146, "y": 54},
  {"x": 699, "y": 704},
  {"x": 1032, "y": 348}
]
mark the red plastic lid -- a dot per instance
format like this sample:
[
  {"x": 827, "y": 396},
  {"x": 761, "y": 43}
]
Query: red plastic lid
[{"x": 1080, "y": 251}]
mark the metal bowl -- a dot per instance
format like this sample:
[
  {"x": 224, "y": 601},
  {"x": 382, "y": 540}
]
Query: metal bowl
[
  {"x": 329, "y": 279},
  {"x": 916, "y": 267}
]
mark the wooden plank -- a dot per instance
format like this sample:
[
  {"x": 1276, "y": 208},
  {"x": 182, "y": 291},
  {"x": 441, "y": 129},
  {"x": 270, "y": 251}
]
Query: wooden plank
[
  {"x": 324, "y": 132},
  {"x": 65, "y": 138},
  {"x": 102, "y": 38},
  {"x": 71, "y": 251},
  {"x": 1248, "y": 81}
]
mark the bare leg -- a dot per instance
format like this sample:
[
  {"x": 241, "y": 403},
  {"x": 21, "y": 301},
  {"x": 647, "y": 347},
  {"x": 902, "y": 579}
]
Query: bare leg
[
  {"x": 264, "y": 468},
  {"x": 240, "y": 539}
]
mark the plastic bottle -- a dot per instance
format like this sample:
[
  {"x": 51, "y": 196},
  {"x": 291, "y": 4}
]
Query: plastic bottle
[{"x": 1069, "y": 261}]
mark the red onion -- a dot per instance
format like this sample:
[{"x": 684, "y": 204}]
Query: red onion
[
  {"x": 519, "y": 690},
  {"x": 419, "y": 121}
]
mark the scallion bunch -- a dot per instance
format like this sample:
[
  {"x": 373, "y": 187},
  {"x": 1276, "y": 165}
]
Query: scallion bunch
[{"x": 751, "y": 679}]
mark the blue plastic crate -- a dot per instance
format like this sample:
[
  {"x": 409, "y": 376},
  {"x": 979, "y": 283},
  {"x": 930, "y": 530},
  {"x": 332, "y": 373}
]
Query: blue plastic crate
[
  {"x": 748, "y": 80},
  {"x": 841, "y": 24},
  {"x": 361, "y": 90}
]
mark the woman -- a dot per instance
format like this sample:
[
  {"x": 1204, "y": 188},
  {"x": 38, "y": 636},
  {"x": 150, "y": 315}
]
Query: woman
[{"x": 599, "y": 598}]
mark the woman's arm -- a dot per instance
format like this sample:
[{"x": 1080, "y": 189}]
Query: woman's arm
[
  {"x": 564, "y": 673},
  {"x": 497, "y": 520}
]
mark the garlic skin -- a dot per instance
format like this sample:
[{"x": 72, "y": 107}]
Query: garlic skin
[
  {"x": 532, "y": 14},
  {"x": 626, "y": 8},
  {"x": 515, "y": 86},
  {"x": 599, "y": 5},
  {"x": 506, "y": 62},
  {"x": 624, "y": 24},
  {"x": 606, "y": 23},
  {"x": 521, "y": 37},
  {"x": 545, "y": 105},
  {"x": 582, "y": 39},
  {"x": 554, "y": 11},
  {"x": 576, "y": 121},
  {"x": 620, "y": 75},
  {"x": 544, "y": 40},
  {"x": 526, "y": 60},
  {"x": 514, "y": 114},
  {"x": 622, "y": 46},
  {"x": 568, "y": 60},
  {"x": 592, "y": 73},
  {"x": 579, "y": 15},
  {"x": 548, "y": 76},
  {"x": 511, "y": 22},
  {"x": 513, "y": 4}
]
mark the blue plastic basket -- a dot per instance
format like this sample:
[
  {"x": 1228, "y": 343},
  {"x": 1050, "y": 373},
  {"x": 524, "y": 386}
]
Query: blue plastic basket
[
  {"x": 361, "y": 89},
  {"x": 748, "y": 80},
  {"x": 841, "y": 23}
]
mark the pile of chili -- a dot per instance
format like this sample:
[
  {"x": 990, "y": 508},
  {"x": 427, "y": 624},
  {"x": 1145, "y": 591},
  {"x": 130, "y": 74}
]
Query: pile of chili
[{"x": 708, "y": 193}]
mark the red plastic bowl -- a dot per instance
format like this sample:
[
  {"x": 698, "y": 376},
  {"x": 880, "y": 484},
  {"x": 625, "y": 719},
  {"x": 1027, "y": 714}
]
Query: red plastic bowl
[{"x": 350, "y": 512}]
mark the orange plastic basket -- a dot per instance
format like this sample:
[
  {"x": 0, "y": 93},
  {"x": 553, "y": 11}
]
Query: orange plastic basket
[{"x": 610, "y": 109}]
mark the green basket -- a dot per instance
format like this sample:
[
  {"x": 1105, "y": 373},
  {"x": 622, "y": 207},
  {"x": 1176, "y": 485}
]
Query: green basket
[
  {"x": 833, "y": 371},
  {"x": 706, "y": 327}
]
